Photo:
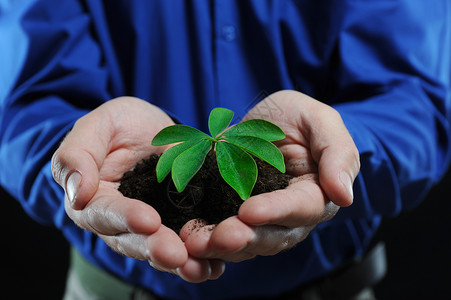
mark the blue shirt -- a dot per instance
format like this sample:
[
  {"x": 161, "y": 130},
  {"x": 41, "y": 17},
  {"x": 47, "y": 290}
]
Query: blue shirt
[{"x": 384, "y": 65}]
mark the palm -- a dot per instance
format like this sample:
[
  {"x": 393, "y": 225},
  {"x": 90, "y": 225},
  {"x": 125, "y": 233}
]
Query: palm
[
  {"x": 103, "y": 145},
  {"x": 133, "y": 128},
  {"x": 317, "y": 148},
  {"x": 124, "y": 136},
  {"x": 295, "y": 147}
]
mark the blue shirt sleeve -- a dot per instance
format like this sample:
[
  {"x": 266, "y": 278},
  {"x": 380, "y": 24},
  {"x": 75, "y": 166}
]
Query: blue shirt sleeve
[
  {"x": 397, "y": 75},
  {"x": 53, "y": 75}
]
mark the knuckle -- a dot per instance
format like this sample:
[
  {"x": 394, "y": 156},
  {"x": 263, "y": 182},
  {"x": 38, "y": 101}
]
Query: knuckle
[
  {"x": 329, "y": 212},
  {"x": 57, "y": 167}
]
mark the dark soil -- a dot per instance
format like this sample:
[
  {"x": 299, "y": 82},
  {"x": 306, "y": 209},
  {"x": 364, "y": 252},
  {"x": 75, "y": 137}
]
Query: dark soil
[{"x": 207, "y": 196}]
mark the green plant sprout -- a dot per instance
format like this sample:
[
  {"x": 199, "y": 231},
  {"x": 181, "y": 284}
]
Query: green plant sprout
[{"x": 233, "y": 148}]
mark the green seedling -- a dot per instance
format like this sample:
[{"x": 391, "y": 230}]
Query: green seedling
[{"x": 233, "y": 148}]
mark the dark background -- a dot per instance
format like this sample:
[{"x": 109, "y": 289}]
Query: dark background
[{"x": 35, "y": 258}]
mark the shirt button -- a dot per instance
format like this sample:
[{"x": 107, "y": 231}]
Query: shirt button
[{"x": 228, "y": 33}]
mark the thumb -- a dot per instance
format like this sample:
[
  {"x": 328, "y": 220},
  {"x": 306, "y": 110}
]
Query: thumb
[
  {"x": 334, "y": 151},
  {"x": 76, "y": 163},
  {"x": 337, "y": 174},
  {"x": 77, "y": 173},
  {"x": 331, "y": 146}
]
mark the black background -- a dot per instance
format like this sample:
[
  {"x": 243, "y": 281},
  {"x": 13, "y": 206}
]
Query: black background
[{"x": 35, "y": 258}]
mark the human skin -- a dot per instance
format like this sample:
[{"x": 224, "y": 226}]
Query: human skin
[
  {"x": 111, "y": 139},
  {"x": 320, "y": 153}
]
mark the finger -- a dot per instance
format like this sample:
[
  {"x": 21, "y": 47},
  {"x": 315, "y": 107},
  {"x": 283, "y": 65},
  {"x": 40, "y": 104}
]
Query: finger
[
  {"x": 333, "y": 149},
  {"x": 192, "y": 226},
  {"x": 298, "y": 160},
  {"x": 272, "y": 239},
  {"x": 77, "y": 173},
  {"x": 337, "y": 173},
  {"x": 128, "y": 244},
  {"x": 168, "y": 253},
  {"x": 302, "y": 203},
  {"x": 246, "y": 243},
  {"x": 109, "y": 213},
  {"x": 199, "y": 270},
  {"x": 76, "y": 163},
  {"x": 163, "y": 249},
  {"x": 120, "y": 127},
  {"x": 227, "y": 238},
  {"x": 217, "y": 268},
  {"x": 166, "y": 249},
  {"x": 317, "y": 127},
  {"x": 195, "y": 270}
]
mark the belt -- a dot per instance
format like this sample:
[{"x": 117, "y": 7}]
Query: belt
[{"x": 341, "y": 284}]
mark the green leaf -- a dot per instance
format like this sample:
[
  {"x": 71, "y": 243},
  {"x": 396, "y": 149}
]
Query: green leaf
[
  {"x": 257, "y": 128},
  {"x": 219, "y": 119},
  {"x": 166, "y": 160},
  {"x": 188, "y": 163},
  {"x": 264, "y": 150},
  {"x": 237, "y": 168},
  {"x": 177, "y": 133}
]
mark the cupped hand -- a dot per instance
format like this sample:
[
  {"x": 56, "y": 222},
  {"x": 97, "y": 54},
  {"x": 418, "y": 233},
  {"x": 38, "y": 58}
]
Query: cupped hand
[
  {"x": 319, "y": 152},
  {"x": 89, "y": 164}
]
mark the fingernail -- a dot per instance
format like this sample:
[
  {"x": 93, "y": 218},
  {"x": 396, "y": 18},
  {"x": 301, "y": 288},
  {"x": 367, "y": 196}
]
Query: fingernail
[
  {"x": 72, "y": 185},
  {"x": 347, "y": 183}
]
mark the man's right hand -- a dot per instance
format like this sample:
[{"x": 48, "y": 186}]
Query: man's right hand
[{"x": 89, "y": 164}]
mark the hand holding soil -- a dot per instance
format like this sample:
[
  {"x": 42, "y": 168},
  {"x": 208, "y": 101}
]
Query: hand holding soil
[
  {"x": 89, "y": 163},
  {"x": 320, "y": 153}
]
